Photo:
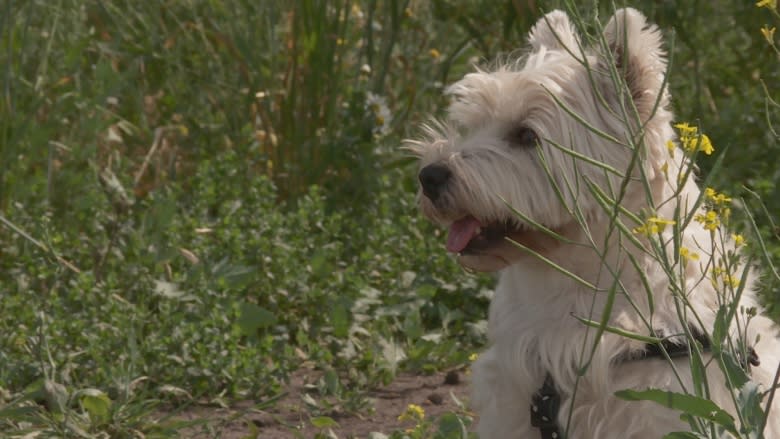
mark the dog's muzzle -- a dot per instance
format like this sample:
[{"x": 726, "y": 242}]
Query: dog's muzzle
[{"x": 433, "y": 179}]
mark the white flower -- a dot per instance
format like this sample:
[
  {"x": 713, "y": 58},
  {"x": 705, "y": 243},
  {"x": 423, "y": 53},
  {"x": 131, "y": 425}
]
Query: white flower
[{"x": 382, "y": 116}]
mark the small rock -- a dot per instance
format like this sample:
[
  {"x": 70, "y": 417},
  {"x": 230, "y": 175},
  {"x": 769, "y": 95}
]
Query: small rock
[
  {"x": 452, "y": 378},
  {"x": 436, "y": 399}
]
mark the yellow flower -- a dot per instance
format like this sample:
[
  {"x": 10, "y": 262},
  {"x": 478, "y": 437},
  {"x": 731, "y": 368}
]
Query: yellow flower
[
  {"x": 686, "y": 130},
  {"x": 688, "y": 255},
  {"x": 717, "y": 198},
  {"x": 738, "y": 239},
  {"x": 709, "y": 220},
  {"x": 691, "y": 140},
  {"x": 473, "y": 357},
  {"x": 665, "y": 169},
  {"x": 769, "y": 34},
  {"x": 413, "y": 413},
  {"x": 722, "y": 277},
  {"x": 730, "y": 280},
  {"x": 697, "y": 143},
  {"x": 653, "y": 226},
  {"x": 705, "y": 145},
  {"x": 769, "y": 4},
  {"x": 670, "y": 146},
  {"x": 662, "y": 222},
  {"x": 435, "y": 54}
]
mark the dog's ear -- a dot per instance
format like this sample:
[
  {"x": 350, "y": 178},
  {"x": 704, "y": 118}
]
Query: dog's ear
[
  {"x": 554, "y": 31},
  {"x": 637, "y": 53}
]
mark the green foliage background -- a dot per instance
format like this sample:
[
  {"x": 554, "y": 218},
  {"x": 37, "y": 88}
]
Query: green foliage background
[{"x": 198, "y": 196}]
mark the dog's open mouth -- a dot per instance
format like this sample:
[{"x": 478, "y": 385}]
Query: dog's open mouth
[{"x": 469, "y": 235}]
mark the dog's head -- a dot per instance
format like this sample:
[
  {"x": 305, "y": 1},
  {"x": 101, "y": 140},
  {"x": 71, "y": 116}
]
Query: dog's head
[{"x": 524, "y": 140}]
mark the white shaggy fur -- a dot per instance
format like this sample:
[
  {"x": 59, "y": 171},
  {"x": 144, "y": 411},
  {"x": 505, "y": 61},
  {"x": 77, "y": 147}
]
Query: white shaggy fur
[{"x": 532, "y": 329}]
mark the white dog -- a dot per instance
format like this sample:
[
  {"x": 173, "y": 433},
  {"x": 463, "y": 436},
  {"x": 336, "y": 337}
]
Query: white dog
[{"x": 515, "y": 174}]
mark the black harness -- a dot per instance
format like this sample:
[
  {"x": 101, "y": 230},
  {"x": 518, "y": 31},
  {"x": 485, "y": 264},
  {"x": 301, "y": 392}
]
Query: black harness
[{"x": 546, "y": 401}]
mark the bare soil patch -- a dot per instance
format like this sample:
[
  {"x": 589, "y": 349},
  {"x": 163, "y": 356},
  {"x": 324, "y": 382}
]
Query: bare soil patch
[{"x": 289, "y": 416}]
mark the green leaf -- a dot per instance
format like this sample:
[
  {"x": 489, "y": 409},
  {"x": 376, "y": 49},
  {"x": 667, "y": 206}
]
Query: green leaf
[
  {"x": 733, "y": 370},
  {"x": 332, "y": 382},
  {"x": 321, "y": 265},
  {"x": 413, "y": 326},
  {"x": 323, "y": 422},
  {"x": 340, "y": 318},
  {"x": 426, "y": 291},
  {"x": 753, "y": 415},
  {"x": 56, "y": 396},
  {"x": 97, "y": 404},
  {"x": 233, "y": 276},
  {"x": 451, "y": 427},
  {"x": 720, "y": 330},
  {"x": 698, "y": 373},
  {"x": 253, "y": 317},
  {"x": 17, "y": 413},
  {"x": 688, "y": 404}
]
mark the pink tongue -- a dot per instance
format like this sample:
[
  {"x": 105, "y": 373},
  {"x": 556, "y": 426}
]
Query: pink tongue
[{"x": 461, "y": 232}]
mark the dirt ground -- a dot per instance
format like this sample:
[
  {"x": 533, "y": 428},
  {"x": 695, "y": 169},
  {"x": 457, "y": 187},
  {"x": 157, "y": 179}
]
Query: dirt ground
[{"x": 289, "y": 418}]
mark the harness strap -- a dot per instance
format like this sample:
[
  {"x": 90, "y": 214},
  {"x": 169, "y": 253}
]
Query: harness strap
[
  {"x": 545, "y": 403},
  {"x": 544, "y": 410},
  {"x": 675, "y": 350}
]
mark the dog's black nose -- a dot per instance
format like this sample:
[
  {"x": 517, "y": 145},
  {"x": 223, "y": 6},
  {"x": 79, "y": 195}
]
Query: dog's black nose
[{"x": 433, "y": 179}]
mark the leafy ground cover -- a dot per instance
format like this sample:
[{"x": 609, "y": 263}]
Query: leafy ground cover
[{"x": 203, "y": 206}]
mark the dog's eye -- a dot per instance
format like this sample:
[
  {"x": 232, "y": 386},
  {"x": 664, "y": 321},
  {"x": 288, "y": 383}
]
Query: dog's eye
[{"x": 523, "y": 137}]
